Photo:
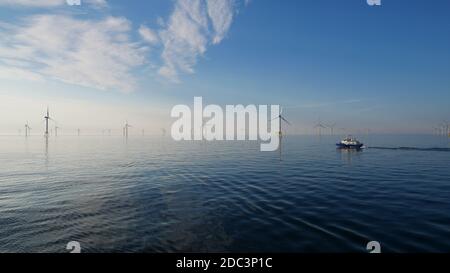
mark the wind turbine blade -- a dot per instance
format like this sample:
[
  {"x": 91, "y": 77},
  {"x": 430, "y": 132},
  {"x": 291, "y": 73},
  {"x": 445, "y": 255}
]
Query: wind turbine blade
[
  {"x": 285, "y": 120},
  {"x": 274, "y": 118}
]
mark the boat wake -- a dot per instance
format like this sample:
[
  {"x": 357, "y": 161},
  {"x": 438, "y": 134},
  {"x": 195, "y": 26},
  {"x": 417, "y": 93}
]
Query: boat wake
[{"x": 413, "y": 149}]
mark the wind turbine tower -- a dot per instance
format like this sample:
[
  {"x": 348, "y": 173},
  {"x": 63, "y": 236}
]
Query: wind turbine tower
[
  {"x": 47, "y": 117},
  {"x": 27, "y": 130},
  {"x": 332, "y": 126},
  {"x": 446, "y": 127},
  {"x": 320, "y": 126},
  {"x": 281, "y": 119},
  {"x": 126, "y": 129}
]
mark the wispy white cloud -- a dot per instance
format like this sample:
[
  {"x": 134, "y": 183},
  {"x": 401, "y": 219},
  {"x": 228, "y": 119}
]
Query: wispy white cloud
[
  {"x": 97, "y": 3},
  {"x": 149, "y": 35},
  {"x": 101, "y": 53},
  {"x": 90, "y": 53},
  {"x": 192, "y": 27},
  {"x": 8, "y": 72},
  {"x": 221, "y": 14}
]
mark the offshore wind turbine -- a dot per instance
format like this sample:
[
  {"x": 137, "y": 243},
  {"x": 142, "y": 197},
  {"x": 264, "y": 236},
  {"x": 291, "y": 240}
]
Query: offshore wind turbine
[
  {"x": 332, "y": 126},
  {"x": 47, "y": 117},
  {"x": 280, "y": 132},
  {"x": 445, "y": 128},
  {"x": 204, "y": 128},
  {"x": 281, "y": 119},
  {"x": 27, "y": 130},
  {"x": 436, "y": 131},
  {"x": 56, "y": 130},
  {"x": 125, "y": 129},
  {"x": 320, "y": 126}
]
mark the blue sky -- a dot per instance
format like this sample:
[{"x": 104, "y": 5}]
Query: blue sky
[{"x": 386, "y": 68}]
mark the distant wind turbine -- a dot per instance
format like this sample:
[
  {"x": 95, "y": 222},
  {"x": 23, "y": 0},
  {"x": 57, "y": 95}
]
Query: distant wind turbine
[
  {"x": 320, "y": 126},
  {"x": 126, "y": 129},
  {"x": 47, "y": 118},
  {"x": 56, "y": 130},
  {"x": 332, "y": 126},
  {"x": 281, "y": 119},
  {"x": 445, "y": 128},
  {"x": 202, "y": 127},
  {"x": 436, "y": 131},
  {"x": 27, "y": 130}
]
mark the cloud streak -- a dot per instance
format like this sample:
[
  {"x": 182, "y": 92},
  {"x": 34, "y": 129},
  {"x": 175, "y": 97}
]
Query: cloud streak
[
  {"x": 96, "y": 54},
  {"x": 193, "y": 26},
  {"x": 104, "y": 53}
]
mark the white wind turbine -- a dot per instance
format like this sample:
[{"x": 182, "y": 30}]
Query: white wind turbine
[
  {"x": 27, "y": 130},
  {"x": 445, "y": 128},
  {"x": 47, "y": 118},
  {"x": 320, "y": 126},
  {"x": 332, "y": 126},
  {"x": 203, "y": 128},
  {"x": 436, "y": 131},
  {"x": 125, "y": 129}
]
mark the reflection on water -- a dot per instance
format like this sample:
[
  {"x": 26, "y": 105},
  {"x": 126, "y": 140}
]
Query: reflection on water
[
  {"x": 150, "y": 194},
  {"x": 348, "y": 155}
]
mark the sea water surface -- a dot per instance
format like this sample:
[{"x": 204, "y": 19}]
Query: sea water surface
[{"x": 151, "y": 194}]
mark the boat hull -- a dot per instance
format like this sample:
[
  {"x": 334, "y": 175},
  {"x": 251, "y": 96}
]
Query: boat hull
[{"x": 349, "y": 146}]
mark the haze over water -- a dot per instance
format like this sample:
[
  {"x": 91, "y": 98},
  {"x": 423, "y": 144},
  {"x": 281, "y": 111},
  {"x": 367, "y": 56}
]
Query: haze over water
[{"x": 151, "y": 194}]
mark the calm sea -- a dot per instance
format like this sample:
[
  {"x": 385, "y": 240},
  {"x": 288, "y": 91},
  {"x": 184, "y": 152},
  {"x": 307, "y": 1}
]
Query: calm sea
[{"x": 150, "y": 194}]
